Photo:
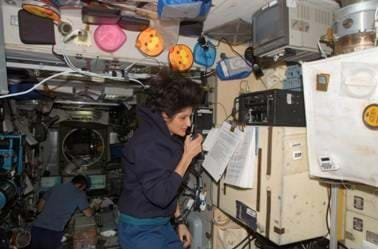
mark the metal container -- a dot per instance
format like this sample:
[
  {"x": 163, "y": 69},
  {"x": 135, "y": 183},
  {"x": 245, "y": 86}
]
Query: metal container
[
  {"x": 355, "y": 42},
  {"x": 354, "y": 27},
  {"x": 355, "y": 18}
]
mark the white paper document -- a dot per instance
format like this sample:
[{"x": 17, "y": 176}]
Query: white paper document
[
  {"x": 242, "y": 165},
  {"x": 210, "y": 139},
  {"x": 220, "y": 154}
]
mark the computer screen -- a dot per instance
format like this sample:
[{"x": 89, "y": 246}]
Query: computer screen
[
  {"x": 270, "y": 28},
  {"x": 97, "y": 182},
  {"x": 47, "y": 182}
]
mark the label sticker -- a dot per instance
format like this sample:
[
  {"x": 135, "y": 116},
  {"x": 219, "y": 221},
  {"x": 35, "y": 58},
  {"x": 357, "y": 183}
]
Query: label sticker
[
  {"x": 358, "y": 203},
  {"x": 297, "y": 155},
  {"x": 289, "y": 98},
  {"x": 299, "y": 25},
  {"x": 251, "y": 212},
  {"x": 14, "y": 20},
  {"x": 327, "y": 164},
  {"x": 370, "y": 116},
  {"x": 295, "y": 145},
  {"x": 358, "y": 224}
]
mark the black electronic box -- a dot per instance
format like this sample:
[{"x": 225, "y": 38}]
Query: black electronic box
[{"x": 275, "y": 107}]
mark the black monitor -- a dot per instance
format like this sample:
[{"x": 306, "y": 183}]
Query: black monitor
[{"x": 270, "y": 29}]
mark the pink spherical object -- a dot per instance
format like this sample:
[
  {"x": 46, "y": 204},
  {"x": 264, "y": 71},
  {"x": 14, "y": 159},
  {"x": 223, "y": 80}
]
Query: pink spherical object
[{"x": 109, "y": 37}]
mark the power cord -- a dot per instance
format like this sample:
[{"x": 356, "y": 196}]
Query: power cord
[
  {"x": 91, "y": 74},
  {"x": 376, "y": 26},
  {"x": 223, "y": 107},
  {"x": 69, "y": 71},
  {"x": 328, "y": 211},
  {"x": 244, "y": 242}
]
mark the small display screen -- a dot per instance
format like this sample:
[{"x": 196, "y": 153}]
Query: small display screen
[
  {"x": 267, "y": 24},
  {"x": 98, "y": 182},
  {"x": 270, "y": 27},
  {"x": 50, "y": 181}
]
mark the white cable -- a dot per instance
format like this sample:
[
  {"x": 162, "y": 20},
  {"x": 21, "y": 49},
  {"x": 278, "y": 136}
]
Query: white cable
[
  {"x": 90, "y": 74},
  {"x": 126, "y": 70},
  {"x": 71, "y": 36},
  {"x": 200, "y": 77},
  {"x": 322, "y": 53},
  {"x": 129, "y": 66},
  {"x": 36, "y": 85},
  {"x": 376, "y": 26},
  {"x": 139, "y": 82},
  {"x": 72, "y": 69}
]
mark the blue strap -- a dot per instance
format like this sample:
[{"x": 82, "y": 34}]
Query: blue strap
[{"x": 143, "y": 221}]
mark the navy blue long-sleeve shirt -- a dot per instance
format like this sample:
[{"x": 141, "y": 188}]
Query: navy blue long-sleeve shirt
[{"x": 150, "y": 184}]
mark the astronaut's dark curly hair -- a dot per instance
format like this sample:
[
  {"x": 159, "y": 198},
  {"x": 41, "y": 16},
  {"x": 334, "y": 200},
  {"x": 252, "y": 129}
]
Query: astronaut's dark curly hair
[{"x": 170, "y": 93}]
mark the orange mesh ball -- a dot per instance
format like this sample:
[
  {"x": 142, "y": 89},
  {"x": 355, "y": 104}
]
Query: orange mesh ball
[
  {"x": 150, "y": 42},
  {"x": 180, "y": 58}
]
